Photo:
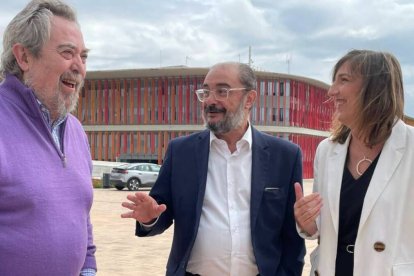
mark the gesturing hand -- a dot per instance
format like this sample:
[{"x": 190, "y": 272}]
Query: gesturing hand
[
  {"x": 143, "y": 208},
  {"x": 307, "y": 209}
]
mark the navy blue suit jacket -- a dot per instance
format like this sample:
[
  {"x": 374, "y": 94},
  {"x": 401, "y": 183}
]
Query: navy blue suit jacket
[{"x": 181, "y": 184}]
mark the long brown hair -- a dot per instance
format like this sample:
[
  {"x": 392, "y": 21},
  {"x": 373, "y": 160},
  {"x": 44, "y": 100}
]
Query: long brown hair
[{"x": 381, "y": 99}]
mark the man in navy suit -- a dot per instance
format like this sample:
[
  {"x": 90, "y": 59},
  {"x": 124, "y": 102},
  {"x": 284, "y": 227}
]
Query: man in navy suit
[{"x": 229, "y": 190}]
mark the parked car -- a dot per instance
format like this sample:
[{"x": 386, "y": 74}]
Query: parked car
[{"x": 134, "y": 175}]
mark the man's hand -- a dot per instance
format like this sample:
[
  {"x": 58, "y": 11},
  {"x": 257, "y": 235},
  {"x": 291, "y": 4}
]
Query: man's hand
[
  {"x": 143, "y": 208},
  {"x": 307, "y": 209}
]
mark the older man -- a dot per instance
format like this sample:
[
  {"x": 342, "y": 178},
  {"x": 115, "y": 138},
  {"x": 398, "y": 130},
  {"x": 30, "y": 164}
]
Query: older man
[
  {"x": 229, "y": 190},
  {"x": 45, "y": 164}
]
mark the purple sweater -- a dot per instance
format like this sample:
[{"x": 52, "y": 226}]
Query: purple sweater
[{"x": 45, "y": 195}]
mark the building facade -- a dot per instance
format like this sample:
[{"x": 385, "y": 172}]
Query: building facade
[{"x": 131, "y": 115}]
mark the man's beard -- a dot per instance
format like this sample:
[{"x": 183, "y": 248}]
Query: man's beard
[
  {"x": 230, "y": 121},
  {"x": 58, "y": 103},
  {"x": 67, "y": 103}
]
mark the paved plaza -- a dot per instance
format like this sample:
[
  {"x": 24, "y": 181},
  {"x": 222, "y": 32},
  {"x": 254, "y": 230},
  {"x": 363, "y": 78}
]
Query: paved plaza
[{"x": 120, "y": 253}]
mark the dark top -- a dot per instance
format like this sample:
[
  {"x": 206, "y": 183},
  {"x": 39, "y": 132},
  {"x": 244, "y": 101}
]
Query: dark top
[{"x": 350, "y": 207}]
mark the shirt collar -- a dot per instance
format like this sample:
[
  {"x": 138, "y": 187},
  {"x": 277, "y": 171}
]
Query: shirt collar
[
  {"x": 46, "y": 115},
  {"x": 247, "y": 136}
]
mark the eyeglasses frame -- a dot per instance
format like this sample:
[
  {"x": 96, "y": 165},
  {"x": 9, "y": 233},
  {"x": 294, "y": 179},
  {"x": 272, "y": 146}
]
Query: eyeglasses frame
[{"x": 215, "y": 94}]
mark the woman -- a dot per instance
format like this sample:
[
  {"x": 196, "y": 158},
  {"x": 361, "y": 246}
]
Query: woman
[{"x": 364, "y": 174}]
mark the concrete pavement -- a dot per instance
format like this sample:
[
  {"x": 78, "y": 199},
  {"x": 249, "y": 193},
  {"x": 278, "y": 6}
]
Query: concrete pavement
[{"x": 120, "y": 253}]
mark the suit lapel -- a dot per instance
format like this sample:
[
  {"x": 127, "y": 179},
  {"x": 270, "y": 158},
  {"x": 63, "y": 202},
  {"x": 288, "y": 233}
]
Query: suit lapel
[
  {"x": 202, "y": 149},
  {"x": 335, "y": 167},
  {"x": 391, "y": 155},
  {"x": 260, "y": 166}
]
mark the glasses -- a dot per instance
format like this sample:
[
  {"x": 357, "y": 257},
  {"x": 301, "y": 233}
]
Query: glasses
[{"x": 220, "y": 94}]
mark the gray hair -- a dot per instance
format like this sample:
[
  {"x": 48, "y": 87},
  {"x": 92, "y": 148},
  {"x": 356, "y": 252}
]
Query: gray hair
[
  {"x": 31, "y": 28},
  {"x": 246, "y": 74}
]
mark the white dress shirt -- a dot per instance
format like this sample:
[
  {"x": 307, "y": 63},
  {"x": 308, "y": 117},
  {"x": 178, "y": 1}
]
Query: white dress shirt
[{"x": 223, "y": 244}]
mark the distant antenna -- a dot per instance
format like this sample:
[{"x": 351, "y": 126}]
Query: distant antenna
[
  {"x": 160, "y": 58},
  {"x": 250, "y": 56},
  {"x": 288, "y": 59},
  {"x": 186, "y": 60}
]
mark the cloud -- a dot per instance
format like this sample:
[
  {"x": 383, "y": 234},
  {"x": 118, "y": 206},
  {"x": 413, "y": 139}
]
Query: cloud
[{"x": 301, "y": 37}]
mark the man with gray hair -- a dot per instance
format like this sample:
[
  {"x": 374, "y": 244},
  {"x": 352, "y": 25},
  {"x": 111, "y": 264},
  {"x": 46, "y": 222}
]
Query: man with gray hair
[
  {"x": 229, "y": 190},
  {"x": 45, "y": 164}
]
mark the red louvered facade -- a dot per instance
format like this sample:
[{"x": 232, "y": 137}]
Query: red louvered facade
[{"x": 131, "y": 115}]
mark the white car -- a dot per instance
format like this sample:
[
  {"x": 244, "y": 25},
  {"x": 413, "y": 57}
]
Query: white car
[{"x": 134, "y": 175}]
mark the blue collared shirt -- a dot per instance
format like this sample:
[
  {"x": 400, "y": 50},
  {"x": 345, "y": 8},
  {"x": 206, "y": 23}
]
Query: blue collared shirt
[{"x": 54, "y": 126}]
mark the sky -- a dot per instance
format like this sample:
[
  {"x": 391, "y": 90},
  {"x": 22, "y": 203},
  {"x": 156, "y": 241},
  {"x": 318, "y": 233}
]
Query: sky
[{"x": 298, "y": 37}]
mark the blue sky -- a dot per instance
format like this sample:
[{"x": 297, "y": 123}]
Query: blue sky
[{"x": 299, "y": 37}]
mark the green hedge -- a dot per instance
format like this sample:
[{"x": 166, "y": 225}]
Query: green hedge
[{"x": 97, "y": 183}]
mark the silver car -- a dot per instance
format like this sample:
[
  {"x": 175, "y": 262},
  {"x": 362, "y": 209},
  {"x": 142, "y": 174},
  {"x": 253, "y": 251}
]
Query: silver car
[{"x": 134, "y": 175}]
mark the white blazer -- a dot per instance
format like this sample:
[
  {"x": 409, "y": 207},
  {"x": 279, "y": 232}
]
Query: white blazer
[{"x": 387, "y": 216}]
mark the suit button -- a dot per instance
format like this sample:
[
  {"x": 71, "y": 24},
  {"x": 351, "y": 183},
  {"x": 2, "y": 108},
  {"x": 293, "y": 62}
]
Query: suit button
[
  {"x": 379, "y": 246},
  {"x": 316, "y": 273}
]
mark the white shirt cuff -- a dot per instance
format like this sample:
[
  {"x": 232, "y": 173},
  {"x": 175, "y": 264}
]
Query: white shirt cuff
[{"x": 148, "y": 226}]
